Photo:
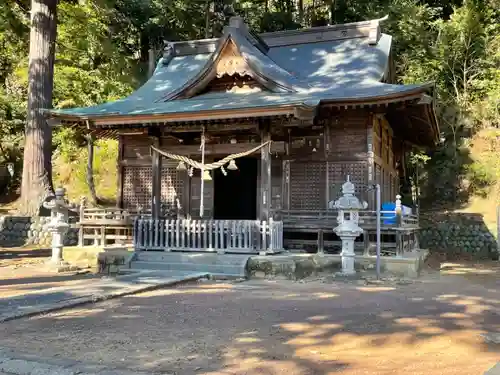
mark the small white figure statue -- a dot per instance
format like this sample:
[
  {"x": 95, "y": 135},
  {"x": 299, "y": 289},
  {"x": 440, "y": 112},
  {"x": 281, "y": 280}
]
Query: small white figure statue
[
  {"x": 348, "y": 229},
  {"x": 58, "y": 224}
]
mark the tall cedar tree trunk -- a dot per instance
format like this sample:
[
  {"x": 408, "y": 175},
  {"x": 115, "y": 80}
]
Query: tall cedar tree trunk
[
  {"x": 300, "y": 9},
  {"x": 37, "y": 165}
]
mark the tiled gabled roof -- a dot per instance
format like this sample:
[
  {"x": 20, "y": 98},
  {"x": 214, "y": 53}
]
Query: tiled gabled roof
[{"x": 340, "y": 63}]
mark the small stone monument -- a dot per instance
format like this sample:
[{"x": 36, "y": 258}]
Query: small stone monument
[
  {"x": 58, "y": 226},
  {"x": 348, "y": 229}
]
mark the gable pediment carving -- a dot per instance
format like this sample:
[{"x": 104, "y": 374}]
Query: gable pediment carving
[{"x": 231, "y": 62}]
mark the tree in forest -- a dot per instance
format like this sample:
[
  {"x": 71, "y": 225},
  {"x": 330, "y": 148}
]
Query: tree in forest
[{"x": 37, "y": 166}]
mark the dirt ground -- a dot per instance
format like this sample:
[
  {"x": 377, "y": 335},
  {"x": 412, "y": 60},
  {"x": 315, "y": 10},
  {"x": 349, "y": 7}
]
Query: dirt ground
[
  {"x": 317, "y": 327},
  {"x": 22, "y": 272}
]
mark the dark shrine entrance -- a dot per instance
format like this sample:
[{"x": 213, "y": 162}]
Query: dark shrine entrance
[{"x": 235, "y": 195}]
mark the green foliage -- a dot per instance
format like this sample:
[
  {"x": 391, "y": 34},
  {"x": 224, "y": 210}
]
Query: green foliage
[
  {"x": 70, "y": 168},
  {"x": 481, "y": 177}
]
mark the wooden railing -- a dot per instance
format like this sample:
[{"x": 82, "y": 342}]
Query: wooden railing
[
  {"x": 328, "y": 218},
  {"x": 242, "y": 236},
  {"x": 403, "y": 228},
  {"x": 106, "y": 226}
]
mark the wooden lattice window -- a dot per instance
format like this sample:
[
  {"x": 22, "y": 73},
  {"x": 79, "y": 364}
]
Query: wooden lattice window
[
  {"x": 337, "y": 176},
  {"x": 307, "y": 186},
  {"x": 172, "y": 187},
  {"x": 138, "y": 186}
]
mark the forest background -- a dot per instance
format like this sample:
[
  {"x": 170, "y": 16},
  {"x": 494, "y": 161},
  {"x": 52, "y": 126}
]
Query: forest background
[{"x": 102, "y": 53}]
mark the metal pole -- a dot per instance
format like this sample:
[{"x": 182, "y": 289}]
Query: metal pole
[
  {"x": 202, "y": 183},
  {"x": 378, "y": 203}
]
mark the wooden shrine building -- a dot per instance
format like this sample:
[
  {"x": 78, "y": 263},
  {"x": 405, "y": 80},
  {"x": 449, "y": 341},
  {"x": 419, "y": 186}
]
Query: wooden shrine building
[{"x": 325, "y": 97}]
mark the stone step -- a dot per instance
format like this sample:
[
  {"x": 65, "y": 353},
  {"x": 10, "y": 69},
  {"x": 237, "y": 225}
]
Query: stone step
[
  {"x": 220, "y": 270},
  {"x": 194, "y": 258}
]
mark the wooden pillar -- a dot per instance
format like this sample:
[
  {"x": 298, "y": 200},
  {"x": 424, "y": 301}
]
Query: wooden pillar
[
  {"x": 120, "y": 174},
  {"x": 370, "y": 178},
  {"x": 285, "y": 187},
  {"x": 156, "y": 183},
  {"x": 81, "y": 231},
  {"x": 326, "y": 154},
  {"x": 265, "y": 176}
]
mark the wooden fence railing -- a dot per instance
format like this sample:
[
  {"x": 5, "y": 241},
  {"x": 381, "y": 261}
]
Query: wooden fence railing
[
  {"x": 400, "y": 231},
  {"x": 242, "y": 236},
  {"x": 106, "y": 226},
  {"x": 109, "y": 226},
  {"x": 367, "y": 219}
]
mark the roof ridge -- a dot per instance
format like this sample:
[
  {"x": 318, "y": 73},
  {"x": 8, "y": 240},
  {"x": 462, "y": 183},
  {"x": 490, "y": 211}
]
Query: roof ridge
[
  {"x": 349, "y": 25},
  {"x": 264, "y": 41}
]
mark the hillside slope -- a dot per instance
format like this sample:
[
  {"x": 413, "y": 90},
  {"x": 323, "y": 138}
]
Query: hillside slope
[
  {"x": 484, "y": 176},
  {"x": 70, "y": 171}
]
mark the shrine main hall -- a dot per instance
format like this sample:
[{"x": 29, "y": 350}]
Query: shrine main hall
[{"x": 265, "y": 127}]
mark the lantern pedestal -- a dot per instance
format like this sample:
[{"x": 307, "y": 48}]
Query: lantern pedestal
[
  {"x": 58, "y": 226},
  {"x": 348, "y": 229},
  {"x": 348, "y": 233}
]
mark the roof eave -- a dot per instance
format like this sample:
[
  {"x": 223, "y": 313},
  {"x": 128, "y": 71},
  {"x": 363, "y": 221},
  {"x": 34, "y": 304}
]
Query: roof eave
[{"x": 205, "y": 115}]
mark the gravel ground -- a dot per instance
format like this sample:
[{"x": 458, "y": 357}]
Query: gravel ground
[{"x": 429, "y": 327}]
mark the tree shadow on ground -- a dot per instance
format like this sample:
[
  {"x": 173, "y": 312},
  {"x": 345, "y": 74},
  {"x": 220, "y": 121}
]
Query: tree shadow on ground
[{"x": 274, "y": 328}]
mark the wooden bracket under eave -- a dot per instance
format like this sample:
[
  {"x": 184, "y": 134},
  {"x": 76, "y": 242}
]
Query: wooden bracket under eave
[{"x": 306, "y": 114}]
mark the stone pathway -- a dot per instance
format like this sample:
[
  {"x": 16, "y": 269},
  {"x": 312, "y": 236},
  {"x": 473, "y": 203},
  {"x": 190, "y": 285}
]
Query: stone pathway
[
  {"x": 15, "y": 364},
  {"x": 90, "y": 290}
]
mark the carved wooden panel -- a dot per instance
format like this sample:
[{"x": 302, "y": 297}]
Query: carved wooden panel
[
  {"x": 307, "y": 186},
  {"x": 231, "y": 62},
  {"x": 337, "y": 175}
]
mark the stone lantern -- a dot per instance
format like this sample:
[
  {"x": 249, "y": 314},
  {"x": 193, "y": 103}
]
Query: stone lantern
[
  {"x": 58, "y": 224},
  {"x": 348, "y": 206}
]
